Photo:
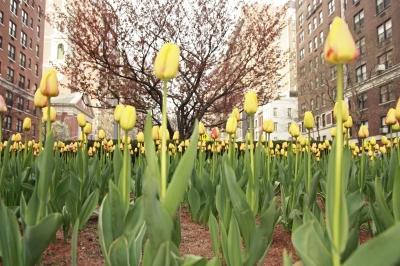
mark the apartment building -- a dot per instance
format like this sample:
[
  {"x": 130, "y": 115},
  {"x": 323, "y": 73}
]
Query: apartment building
[
  {"x": 21, "y": 46},
  {"x": 371, "y": 82}
]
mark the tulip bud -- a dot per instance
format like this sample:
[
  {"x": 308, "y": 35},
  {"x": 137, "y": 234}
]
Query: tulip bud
[
  {"x": 167, "y": 62},
  {"x": 214, "y": 133},
  {"x": 396, "y": 127},
  {"x": 202, "y": 129},
  {"x": 345, "y": 111},
  {"x": 117, "y": 112},
  {"x": 363, "y": 132},
  {"x": 294, "y": 130},
  {"x": 391, "y": 117},
  {"x": 236, "y": 113},
  {"x": 382, "y": 149},
  {"x": 102, "y": 134},
  {"x": 166, "y": 132},
  {"x": 176, "y": 135},
  {"x": 348, "y": 123},
  {"x": 332, "y": 131},
  {"x": 49, "y": 84},
  {"x": 140, "y": 137},
  {"x": 128, "y": 117},
  {"x": 81, "y": 120},
  {"x": 250, "y": 102},
  {"x": 39, "y": 100},
  {"x": 340, "y": 47},
  {"x": 53, "y": 114},
  {"x": 155, "y": 133},
  {"x": 398, "y": 110},
  {"x": 87, "y": 129},
  {"x": 3, "y": 106},
  {"x": 26, "y": 125},
  {"x": 231, "y": 125},
  {"x": 268, "y": 126},
  {"x": 308, "y": 120}
]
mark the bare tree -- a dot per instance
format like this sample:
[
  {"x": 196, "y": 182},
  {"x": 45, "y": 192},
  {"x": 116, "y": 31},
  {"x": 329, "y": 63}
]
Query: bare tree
[{"x": 225, "y": 50}]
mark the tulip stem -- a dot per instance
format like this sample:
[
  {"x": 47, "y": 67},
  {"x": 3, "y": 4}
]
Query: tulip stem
[
  {"x": 48, "y": 122},
  {"x": 1, "y": 128},
  {"x": 163, "y": 190},
  {"x": 309, "y": 165},
  {"x": 338, "y": 173},
  {"x": 251, "y": 195},
  {"x": 124, "y": 182}
]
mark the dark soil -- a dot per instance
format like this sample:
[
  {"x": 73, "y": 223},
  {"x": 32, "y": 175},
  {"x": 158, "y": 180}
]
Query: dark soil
[{"x": 195, "y": 240}]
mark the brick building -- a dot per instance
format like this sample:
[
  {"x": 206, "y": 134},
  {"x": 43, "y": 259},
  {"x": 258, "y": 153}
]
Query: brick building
[
  {"x": 372, "y": 83},
  {"x": 21, "y": 46}
]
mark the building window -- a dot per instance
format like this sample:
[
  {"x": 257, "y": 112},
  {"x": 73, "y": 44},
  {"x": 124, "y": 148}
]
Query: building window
[
  {"x": 321, "y": 17},
  {"x": 361, "y": 45},
  {"x": 24, "y": 39},
  {"x": 20, "y": 103},
  {"x": 289, "y": 112},
  {"x": 38, "y": 31},
  {"x": 12, "y": 29},
  {"x": 301, "y": 36},
  {"x": 37, "y": 50},
  {"x": 22, "y": 60},
  {"x": 29, "y": 63},
  {"x": 301, "y": 19},
  {"x": 1, "y": 42},
  {"x": 37, "y": 70},
  {"x": 10, "y": 74},
  {"x": 333, "y": 73},
  {"x": 359, "y": 20},
  {"x": 301, "y": 54},
  {"x": 385, "y": 31},
  {"x": 7, "y": 122},
  {"x": 386, "y": 94},
  {"x": 21, "y": 82},
  {"x": 24, "y": 16},
  {"x": 9, "y": 98},
  {"x": 323, "y": 120},
  {"x": 321, "y": 38},
  {"x": 331, "y": 6},
  {"x": 275, "y": 112},
  {"x": 381, "y": 5},
  {"x": 315, "y": 23},
  {"x": 14, "y": 6},
  {"x": 60, "y": 51},
  {"x": 11, "y": 52},
  {"x": 312, "y": 104},
  {"x": 386, "y": 59},
  {"x": 315, "y": 42},
  {"x": 310, "y": 29},
  {"x": 362, "y": 101},
  {"x": 19, "y": 125},
  {"x": 361, "y": 73},
  {"x": 310, "y": 46},
  {"x": 383, "y": 122},
  {"x": 31, "y": 23},
  {"x": 275, "y": 126},
  {"x": 1, "y": 17}
]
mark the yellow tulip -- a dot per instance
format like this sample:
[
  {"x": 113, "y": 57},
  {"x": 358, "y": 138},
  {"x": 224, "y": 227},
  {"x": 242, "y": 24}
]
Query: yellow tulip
[
  {"x": 236, "y": 113},
  {"x": 294, "y": 130},
  {"x": 344, "y": 108},
  {"x": 250, "y": 102},
  {"x": 340, "y": 47},
  {"x": 87, "y": 129},
  {"x": 398, "y": 110},
  {"x": 231, "y": 125},
  {"x": 382, "y": 149},
  {"x": 49, "y": 84},
  {"x": 384, "y": 140},
  {"x": 332, "y": 131},
  {"x": 176, "y": 135},
  {"x": 27, "y": 124},
  {"x": 372, "y": 141},
  {"x": 128, "y": 117},
  {"x": 81, "y": 120},
  {"x": 53, "y": 114},
  {"x": 268, "y": 126},
  {"x": 348, "y": 123},
  {"x": 102, "y": 134},
  {"x": 202, "y": 129},
  {"x": 167, "y": 62},
  {"x": 155, "y": 133},
  {"x": 391, "y": 117},
  {"x": 117, "y": 112},
  {"x": 3, "y": 106},
  {"x": 39, "y": 100},
  {"x": 363, "y": 132},
  {"x": 140, "y": 137},
  {"x": 308, "y": 120},
  {"x": 396, "y": 127}
]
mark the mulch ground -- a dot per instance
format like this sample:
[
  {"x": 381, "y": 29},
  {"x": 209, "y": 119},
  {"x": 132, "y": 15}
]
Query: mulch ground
[{"x": 195, "y": 240}]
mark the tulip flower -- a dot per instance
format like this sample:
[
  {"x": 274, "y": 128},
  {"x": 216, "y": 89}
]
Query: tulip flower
[
  {"x": 167, "y": 62},
  {"x": 398, "y": 110},
  {"x": 176, "y": 136},
  {"x": 26, "y": 125},
  {"x": 343, "y": 107},
  {"x": 236, "y": 113},
  {"x": 349, "y": 122},
  {"x": 140, "y": 137},
  {"x": 363, "y": 132},
  {"x": 101, "y": 134},
  {"x": 391, "y": 117},
  {"x": 155, "y": 133},
  {"x": 202, "y": 129},
  {"x": 231, "y": 125},
  {"x": 87, "y": 128},
  {"x": 268, "y": 126},
  {"x": 53, "y": 114},
  {"x": 81, "y": 119},
  {"x": 214, "y": 133},
  {"x": 340, "y": 47},
  {"x": 118, "y": 111},
  {"x": 308, "y": 120},
  {"x": 250, "y": 103},
  {"x": 294, "y": 130},
  {"x": 39, "y": 100},
  {"x": 49, "y": 84},
  {"x": 128, "y": 118}
]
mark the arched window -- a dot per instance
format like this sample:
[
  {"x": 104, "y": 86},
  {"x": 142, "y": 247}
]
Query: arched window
[{"x": 60, "y": 51}]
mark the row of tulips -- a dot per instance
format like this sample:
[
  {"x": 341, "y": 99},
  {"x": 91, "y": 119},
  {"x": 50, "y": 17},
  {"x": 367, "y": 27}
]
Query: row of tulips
[{"x": 322, "y": 192}]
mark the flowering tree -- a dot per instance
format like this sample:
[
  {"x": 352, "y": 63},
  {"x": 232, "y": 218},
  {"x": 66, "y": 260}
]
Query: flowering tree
[{"x": 225, "y": 50}]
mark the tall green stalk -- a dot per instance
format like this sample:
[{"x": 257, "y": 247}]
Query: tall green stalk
[
  {"x": 1, "y": 128},
  {"x": 338, "y": 173},
  {"x": 163, "y": 190},
  {"x": 48, "y": 122},
  {"x": 124, "y": 181},
  {"x": 309, "y": 176},
  {"x": 251, "y": 193}
]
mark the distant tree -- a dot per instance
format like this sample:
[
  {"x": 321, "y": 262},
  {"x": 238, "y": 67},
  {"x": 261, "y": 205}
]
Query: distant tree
[
  {"x": 60, "y": 131},
  {"x": 226, "y": 48}
]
